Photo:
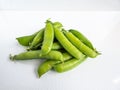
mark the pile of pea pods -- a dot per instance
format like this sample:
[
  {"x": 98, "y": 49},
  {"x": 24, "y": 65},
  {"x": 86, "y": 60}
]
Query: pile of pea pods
[{"x": 61, "y": 49}]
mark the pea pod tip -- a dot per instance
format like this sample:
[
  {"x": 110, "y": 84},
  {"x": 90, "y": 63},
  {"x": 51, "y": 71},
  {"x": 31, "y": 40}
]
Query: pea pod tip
[
  {"x": 39, "y": 75},
  {"x": 11, "y": 57}
]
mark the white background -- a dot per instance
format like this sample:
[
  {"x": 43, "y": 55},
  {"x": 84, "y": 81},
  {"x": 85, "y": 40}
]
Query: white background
[
  {"x": 101, "y": 73},
  {"x": 60, "y": 5}
]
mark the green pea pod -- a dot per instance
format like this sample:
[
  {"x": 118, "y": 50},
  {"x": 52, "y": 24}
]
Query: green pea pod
[
  {"x": 80, "y": 36},
  {"x": 81, "y": 46},
  {"x": 37, "y": 39},
  {"x": 26, "y": 40},
  {"x": 68, "y": 65},
  {"x": 56, "y": 55},
  {"x": 48, "y": 64},
  {"x": 48, "y": 38},
  {"x": 45, "y": 67},
  {"x": 67, "y": 45}
]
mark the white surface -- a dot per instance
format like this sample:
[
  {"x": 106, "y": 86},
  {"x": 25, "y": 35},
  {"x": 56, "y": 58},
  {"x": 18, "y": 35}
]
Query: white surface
[
  {"x": 101, "y": 73},
  {"x": 60, "y": 5}
]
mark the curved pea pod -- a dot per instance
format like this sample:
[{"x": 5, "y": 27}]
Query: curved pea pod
[
  {"x": 67, "y": 45},
  {"x": 68, "y": 65},
  {"x": 26, "y": 40},
  {"x": 56, "y": 55},
  {"x": 84, "y": 39},
  {"x": 45, "y": 67},
  {"x": 49, "y": 63},
  {"x": 37, "y": 39},
  {"x": 48, "y": 38},
  {"x": 81, "y": 46}
]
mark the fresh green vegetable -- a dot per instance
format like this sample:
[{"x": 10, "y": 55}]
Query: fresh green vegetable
[
  {"x": 81, "y": 46},
  {"x": 48, "y": 38},
  {"x": 45, "y": 67},
  {"x": 37, "y": 39},
  {"x": 26, "y": 40},
  {"x": 80, "y": 36},
  {"x": 48, "y": 64},
  {"x": 68, "y": 65},
  {"x": 63, "y": 50},
  {"x": 68, "y": 46},
  {"x": 56, "y": 55}
]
